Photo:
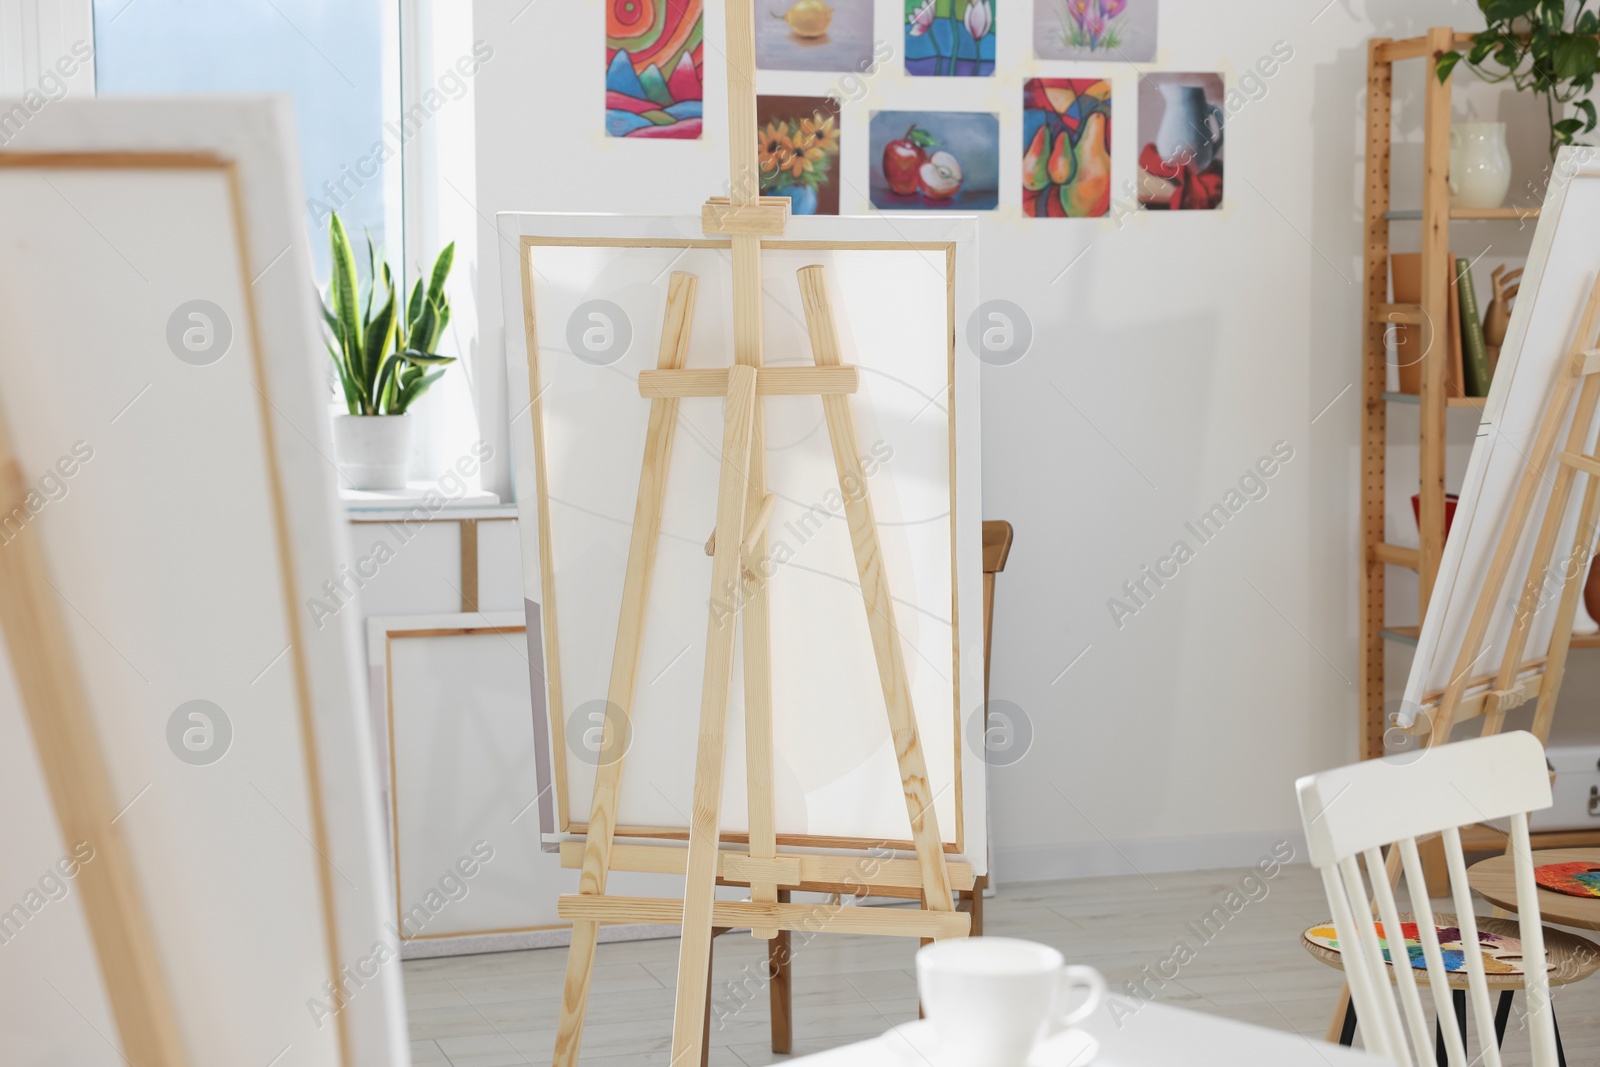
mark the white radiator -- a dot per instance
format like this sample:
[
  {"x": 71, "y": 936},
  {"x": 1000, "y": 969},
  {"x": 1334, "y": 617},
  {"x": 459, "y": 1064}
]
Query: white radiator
[{"x": 1577, "y": 790}]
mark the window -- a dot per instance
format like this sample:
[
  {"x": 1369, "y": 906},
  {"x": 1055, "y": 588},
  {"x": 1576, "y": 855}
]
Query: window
[
  {"x": 327, "y": 55},
  {"x": 357, "y": 71}
]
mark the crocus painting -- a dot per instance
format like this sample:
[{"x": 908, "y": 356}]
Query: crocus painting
[
  {"x": 950, "y": 37},
  {"x": 832, "y": 35},
  {"x": 1066, "y": 148},
  {"x": 799, "y": 145},
  {"x": 653, "y": 68},
  {"x": 1180, "y": 142},
  {"x": 1123, "y": 30},
  {"x": 925, "y": 160}
]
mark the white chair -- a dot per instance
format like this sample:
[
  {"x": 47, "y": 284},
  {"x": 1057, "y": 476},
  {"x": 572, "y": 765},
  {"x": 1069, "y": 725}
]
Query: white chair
[{"x": 1354, "y": 812}]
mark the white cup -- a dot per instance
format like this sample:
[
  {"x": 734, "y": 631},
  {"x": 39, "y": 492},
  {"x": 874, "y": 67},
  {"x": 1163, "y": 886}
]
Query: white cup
[{"x": 992, "y": 1000}]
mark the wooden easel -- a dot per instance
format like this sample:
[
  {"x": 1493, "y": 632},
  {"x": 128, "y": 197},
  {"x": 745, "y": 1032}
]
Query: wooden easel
[
  {"x": 1518, "y": 679},
  {"x": 743, "y": 507}
]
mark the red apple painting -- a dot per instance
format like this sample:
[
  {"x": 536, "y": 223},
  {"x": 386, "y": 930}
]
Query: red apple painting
[
  {"x": 903, "y": 159},
  {"x": 653, "y": 68},
  {"x": 925, "y": 160}
]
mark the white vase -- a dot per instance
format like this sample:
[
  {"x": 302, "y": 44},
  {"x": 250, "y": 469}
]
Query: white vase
[
  {"x": 1191, "y": 126},
  {"x": 373, "y": 450},
  {"x": 1480, "y": 165}
]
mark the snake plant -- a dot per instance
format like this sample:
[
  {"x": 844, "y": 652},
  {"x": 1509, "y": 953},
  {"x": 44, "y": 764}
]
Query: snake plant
[{"x": 385, "y": 359}]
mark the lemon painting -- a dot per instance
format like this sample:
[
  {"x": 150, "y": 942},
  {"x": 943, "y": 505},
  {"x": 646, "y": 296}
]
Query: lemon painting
[{"x": 831, "y": 35}]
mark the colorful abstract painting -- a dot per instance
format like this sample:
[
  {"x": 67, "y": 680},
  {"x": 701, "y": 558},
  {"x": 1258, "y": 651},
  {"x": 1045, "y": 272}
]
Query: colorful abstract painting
[
  {"x": 950, "y": 38},
  {"x": 1573, "y": 879},
  {"x": 1066, "y": 148},
  {"x": 831, "y": 35},
  {"x": 1123, "y": 30},
  {"x": 653, "y": 68},
  {"x": 1180, "y": 141},
  {"x": 1501, "y": 954},
  {"x": 799, "y": 145},
  {"x": 928, "y": 160}
]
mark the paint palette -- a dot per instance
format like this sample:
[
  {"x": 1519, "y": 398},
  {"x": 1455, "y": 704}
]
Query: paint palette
[
  {"x": 1501, "y": 954},
  {"x": 1574, "y": 879}
]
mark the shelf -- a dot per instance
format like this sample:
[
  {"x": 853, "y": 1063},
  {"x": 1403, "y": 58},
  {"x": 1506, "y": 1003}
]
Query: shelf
[
  {"x": 1487, "y": 839},
  {"x": 1402, "y": 635},
  {"x": 1397, "y": 555},
  {"x": 1467, "y": 214},
  {"x": 1450, "y": 402},
  {"x": 1407, "y": 635}
]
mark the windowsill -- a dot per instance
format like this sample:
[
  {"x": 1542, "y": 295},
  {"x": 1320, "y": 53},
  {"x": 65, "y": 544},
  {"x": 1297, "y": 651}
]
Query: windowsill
[{"x": 422, "y": 500}]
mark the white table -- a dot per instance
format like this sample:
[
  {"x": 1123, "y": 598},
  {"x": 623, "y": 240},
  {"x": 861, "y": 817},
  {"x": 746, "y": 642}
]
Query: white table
[{"x": 1160, "y": 1036}]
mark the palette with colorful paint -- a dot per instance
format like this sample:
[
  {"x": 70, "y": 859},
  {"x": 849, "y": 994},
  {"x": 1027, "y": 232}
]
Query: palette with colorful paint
[
  {"x": 1501, "y": 954},
  {"x": 1580, "y": 879}
]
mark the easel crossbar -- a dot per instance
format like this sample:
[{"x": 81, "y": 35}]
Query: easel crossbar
[
  {"x": 737, "y": 914},
  {"x": 865, "y": 870},
  {"x": 770, "y": 381}
]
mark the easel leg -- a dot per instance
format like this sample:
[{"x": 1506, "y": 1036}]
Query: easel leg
[
  {"x": 779, "y": 992},
  {"x": 575, "y": 992},
  {"x": 877, "y": 600},
  {"x": 700, "y": 883},
  {"x": 659, "y": 436}
]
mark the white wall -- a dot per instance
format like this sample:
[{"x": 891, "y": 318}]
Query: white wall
[{"x": 1175, "y": 352}]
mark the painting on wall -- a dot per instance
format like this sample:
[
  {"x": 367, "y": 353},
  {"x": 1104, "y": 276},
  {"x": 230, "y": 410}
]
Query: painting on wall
[
  {"x": 1180, "y": 142},
  {"x": 799, "y": 146},
  {"x": 946, "y": 38},
  {"x": 653, "y": 68},
  {"x": 924, "y": 160},
  {"x": 1123, "y": 30},
  {"x": 832, "y": 35},
  {"x": 1066, "y": 148}
]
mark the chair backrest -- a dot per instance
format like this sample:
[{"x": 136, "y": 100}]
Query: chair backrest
[{"x": 1356, "y": 811}]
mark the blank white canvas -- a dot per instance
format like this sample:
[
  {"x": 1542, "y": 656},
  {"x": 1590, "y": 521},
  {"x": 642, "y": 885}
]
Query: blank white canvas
[
  {"x": 164, "y": 550},
  {"x": 1561, "y": 269},
  {"x": 464, "y": 774},
  {"x": 896, "y": 309}
]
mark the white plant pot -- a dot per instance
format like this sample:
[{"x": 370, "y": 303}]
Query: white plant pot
[
  {"x": 1480, "y": 165},
  {"x": 373, "y": 450}
]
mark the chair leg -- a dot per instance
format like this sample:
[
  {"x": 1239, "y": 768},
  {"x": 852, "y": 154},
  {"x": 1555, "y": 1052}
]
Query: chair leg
[
  {"x": 1458, "y": 997},
  {"x": 1347, "y": 1034},
  {"x": 1502, "y": 1014},
  {"x": 1561, "y": 1054},
  {"x": 779, "y": 992}
]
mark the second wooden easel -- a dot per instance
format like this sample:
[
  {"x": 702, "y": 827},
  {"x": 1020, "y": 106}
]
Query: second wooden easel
[
  {"x": 743, "y": 506},
  {"x": 1520, "y": 678}
]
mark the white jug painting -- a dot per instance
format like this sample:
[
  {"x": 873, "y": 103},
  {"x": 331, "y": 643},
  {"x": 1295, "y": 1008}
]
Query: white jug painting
[{"x": 1181, "y": 119}]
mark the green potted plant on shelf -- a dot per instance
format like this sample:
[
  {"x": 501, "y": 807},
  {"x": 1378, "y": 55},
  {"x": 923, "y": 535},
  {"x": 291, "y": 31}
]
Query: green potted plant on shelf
[
  {"x": 385, "y": 359},
  {"x": 1549, "y": 47}
]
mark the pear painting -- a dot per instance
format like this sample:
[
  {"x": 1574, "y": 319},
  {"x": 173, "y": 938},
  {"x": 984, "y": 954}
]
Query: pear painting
[{"x": 1066, "y": 148}]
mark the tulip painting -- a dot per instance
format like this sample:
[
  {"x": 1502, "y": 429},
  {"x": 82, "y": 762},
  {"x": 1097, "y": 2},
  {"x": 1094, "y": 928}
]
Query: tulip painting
[
  {"x": 1066, "y": 148},
  {"x": 950, "y": 38},
  {"x": 1098, "y": 29}
]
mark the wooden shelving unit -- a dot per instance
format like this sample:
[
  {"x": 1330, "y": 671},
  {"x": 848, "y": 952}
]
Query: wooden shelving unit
[{"x": 1379, "y": 313}]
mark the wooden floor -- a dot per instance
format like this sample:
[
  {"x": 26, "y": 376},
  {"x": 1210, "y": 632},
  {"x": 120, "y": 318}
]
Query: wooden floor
[{"x": 485, "y": 1011}]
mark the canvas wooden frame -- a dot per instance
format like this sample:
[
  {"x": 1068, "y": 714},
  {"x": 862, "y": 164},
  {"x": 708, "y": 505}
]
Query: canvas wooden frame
[
  {"x": 952, "y": 241},
  {"x": 248, "y": 145}
]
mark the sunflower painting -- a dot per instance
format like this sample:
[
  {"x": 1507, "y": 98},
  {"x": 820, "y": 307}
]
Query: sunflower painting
[{"x": 798, "y": 143}]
